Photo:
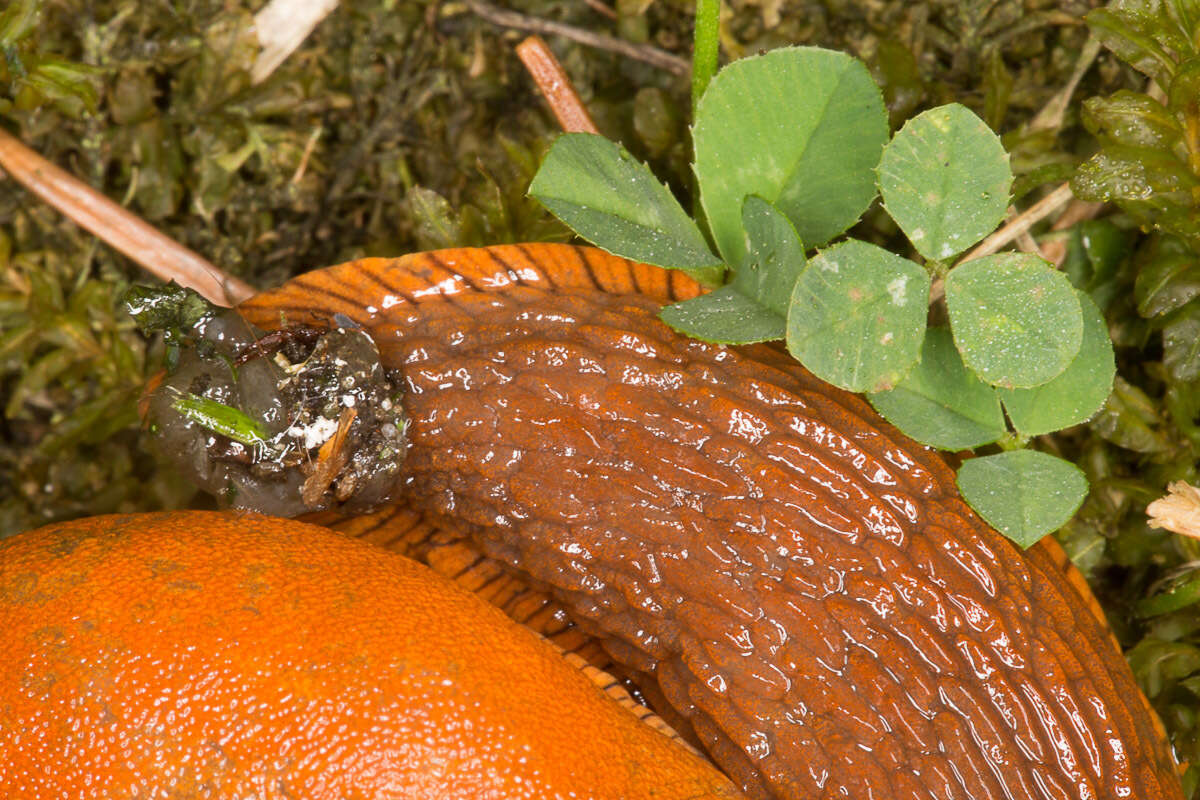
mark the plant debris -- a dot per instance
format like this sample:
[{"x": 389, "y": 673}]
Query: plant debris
[
  {"x": 299, "y": 420},
  {"x": 1179, "y": 511}
]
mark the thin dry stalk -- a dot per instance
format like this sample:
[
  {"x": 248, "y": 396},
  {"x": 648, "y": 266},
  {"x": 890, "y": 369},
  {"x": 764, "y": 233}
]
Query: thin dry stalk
[
  {"x": 600, "y": 7},
  {"x": 555, "y": 86},
  {"x": 638, "y": 52},
  {"x": 1054, "y": 249},
  {"x": 1051, "y": 116},
  {"x": 1076, "y": 212},
  {"x": 119, "y": 228},
  {"x": 1012, "y": 230},
  {"x": 1022, "y": 222},
  {"x": 308, "y": 150}
]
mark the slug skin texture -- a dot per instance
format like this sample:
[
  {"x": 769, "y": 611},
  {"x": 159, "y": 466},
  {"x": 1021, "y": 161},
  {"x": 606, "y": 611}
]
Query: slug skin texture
[{"x": 801, "y": 581}]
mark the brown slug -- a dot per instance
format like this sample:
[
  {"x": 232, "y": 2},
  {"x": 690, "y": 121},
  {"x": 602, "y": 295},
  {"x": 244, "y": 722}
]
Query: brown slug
[{"x": 801, "y": 581}]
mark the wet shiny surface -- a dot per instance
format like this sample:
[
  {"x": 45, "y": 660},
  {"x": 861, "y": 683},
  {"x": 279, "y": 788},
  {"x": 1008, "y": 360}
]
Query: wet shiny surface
[
  {"x": 207, "y": 655},
  {"x": 802, "y": 581}
]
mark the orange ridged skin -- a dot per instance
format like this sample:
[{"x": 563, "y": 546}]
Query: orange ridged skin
[
  {"x": 802, "y": 581},
  {"x": 443, "y": 546},
  {"x": 223, "y": 655}
]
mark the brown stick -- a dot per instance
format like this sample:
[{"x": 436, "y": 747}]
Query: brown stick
[
  {"x": 119, "y": 228},
  {"x": 1050, "y": 118},
  {"x": 555, "y": 86},
  {"x": 1022, "y": 222},
  {"x": 600, "y": 7},
  {"x": 1054, "y": 248},
  {"x": 638, "y": 52},
  {"x": 1076, "y": 212}
]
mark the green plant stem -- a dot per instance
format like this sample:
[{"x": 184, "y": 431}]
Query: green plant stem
[
  {"x": 704, "y": 66},
  {"x": 704, "y": 54},
  {"x": 1013, "y": 441}
]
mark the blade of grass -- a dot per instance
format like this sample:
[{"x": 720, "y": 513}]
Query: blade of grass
[{"x": 220, "y": 418}]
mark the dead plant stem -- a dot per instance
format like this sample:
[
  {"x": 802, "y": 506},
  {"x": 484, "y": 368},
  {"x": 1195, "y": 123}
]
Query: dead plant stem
[
  {"x": 1014, "y": 229},
  {"x": 121, "y": 229},
  {"x": 555, "y": 86},
  {"x": 639, "y": 52}
]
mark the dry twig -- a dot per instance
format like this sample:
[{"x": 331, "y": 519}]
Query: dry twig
[
  {"x": 122, "y": 230},
  {"x": 1014, "y": 229},
  {"x": 1051, "y": 115},
  {"x": 308, "y": 149},
  {"x": 600, "y": 7},
  {"x": 1021, "y": 223},
  {"x": 638, "y": 52},
  {"x": 555, "y": 86},
  {"x": 1054, "y": 249}
]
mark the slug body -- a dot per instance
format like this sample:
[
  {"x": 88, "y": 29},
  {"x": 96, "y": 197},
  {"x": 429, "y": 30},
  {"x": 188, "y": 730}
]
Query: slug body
[
  {"x": 802, "y": 581},
  {"x": 216, "y": 655}
]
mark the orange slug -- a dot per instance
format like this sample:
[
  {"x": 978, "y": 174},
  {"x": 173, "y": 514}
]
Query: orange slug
[
  {"x": 802, "y": 582},
  {"x": 231, "y": 655}
]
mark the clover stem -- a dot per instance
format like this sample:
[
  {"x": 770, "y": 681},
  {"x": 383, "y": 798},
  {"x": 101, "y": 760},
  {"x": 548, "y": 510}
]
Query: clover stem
[{"x": 1013, "y": 441}]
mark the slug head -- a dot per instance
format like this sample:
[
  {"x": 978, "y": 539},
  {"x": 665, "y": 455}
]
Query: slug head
[{"x": 300, "y": 419}]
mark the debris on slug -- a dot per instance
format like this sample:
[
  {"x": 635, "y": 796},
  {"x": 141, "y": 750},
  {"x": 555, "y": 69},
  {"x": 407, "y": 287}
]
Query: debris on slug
[{"x": 295, "y": 420}]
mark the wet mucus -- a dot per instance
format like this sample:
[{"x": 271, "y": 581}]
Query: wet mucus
[{"x": 300, "y": 419}]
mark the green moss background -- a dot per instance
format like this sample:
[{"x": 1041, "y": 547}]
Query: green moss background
[{"x": 422, "y": 130}]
